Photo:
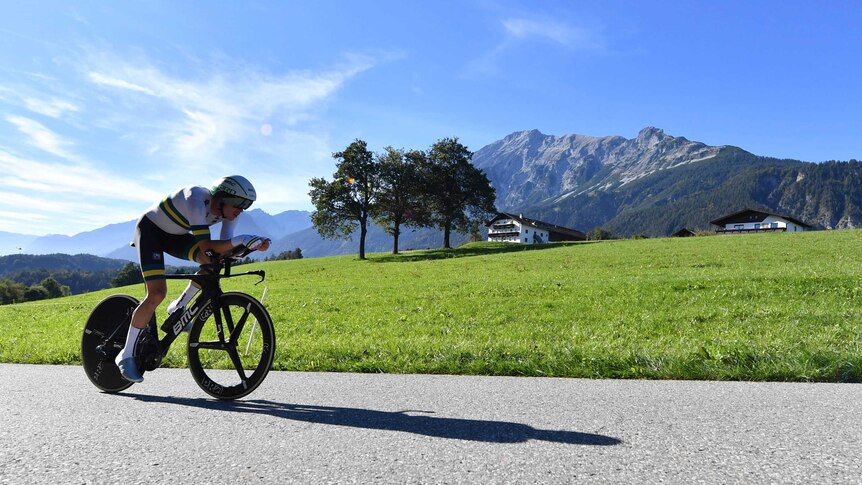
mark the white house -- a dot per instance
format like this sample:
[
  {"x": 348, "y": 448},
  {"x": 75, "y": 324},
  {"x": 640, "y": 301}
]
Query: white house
[
  {"x": 751, "y": 221},
  {"x": 507, "y": 227}
]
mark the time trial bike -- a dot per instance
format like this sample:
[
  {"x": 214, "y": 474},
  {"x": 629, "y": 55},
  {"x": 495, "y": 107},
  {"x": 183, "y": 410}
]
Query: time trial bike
[{"x": 231, "y": 340}]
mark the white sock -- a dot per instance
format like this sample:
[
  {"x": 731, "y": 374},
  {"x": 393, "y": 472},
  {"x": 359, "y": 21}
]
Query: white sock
[
  {"x": 184, "y": 299},
  {"x": 131, "y": 340}
]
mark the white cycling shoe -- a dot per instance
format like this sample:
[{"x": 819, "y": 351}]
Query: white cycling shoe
[{"x": 129, "y": 370}]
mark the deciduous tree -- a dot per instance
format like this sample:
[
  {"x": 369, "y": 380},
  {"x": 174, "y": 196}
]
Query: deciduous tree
[
  {"x": 399, "y": 202},
  {"x": 457, "y": 193},
  {"x": 348, "y": 200}
]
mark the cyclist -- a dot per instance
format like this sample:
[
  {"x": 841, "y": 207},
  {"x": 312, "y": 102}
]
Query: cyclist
[{"x": 179, "y": 225}]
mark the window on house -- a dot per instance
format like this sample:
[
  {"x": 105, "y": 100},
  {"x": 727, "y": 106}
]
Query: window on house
[{"x": 738, "y": 226}]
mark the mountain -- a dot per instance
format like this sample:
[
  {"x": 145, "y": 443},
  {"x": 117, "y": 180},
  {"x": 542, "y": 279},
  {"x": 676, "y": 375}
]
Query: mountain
[
  {"x": 529, "y": 167},
  {"x": 99, "y": 242},
  {"x": 12, "y": 243},
  {"x": 656, "y": 184}
]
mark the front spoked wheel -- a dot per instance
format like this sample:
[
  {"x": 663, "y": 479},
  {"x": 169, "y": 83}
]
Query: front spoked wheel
[{"x": 231, "y": 352}]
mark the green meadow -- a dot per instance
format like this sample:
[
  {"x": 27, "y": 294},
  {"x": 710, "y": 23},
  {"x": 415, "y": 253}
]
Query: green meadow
[{"x": 782, "y": 307}]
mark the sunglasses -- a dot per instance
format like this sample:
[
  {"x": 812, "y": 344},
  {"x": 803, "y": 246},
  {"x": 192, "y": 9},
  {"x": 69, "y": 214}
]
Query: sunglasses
[{"x": 237, "y": 202}]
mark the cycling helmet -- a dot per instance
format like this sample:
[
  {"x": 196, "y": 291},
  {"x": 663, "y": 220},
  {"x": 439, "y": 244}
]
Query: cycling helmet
[{"x": 234, "y": 190}]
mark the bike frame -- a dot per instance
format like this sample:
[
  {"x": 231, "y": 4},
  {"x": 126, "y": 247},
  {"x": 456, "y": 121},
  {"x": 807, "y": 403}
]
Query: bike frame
[{"x": 204, "y": 304}]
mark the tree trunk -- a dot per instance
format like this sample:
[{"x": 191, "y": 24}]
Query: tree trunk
[
  {"x": 363, "y": 230},
  {"x": 395, "y": 235},
  {"x": 446, "y": 231}
]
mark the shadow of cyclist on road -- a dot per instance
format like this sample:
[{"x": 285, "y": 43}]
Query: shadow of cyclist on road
[{"x": 417, "y": 422}]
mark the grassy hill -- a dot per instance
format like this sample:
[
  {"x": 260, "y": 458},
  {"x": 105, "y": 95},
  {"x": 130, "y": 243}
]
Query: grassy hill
[{"x": 753, "y": 307}]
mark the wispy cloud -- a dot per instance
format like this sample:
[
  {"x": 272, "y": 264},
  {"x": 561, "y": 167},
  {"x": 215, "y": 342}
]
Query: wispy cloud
[
  {"x": 557, "y": 32},
  {"x": 53, "y": 108},
  {"x": 57, "y": 179},
  {"x": 80, "y": 196},
  {"x": 101, "y": 79},
  {"x": 111, "y": 134},
  {"x": 203, "y": 116},
  {"x": 39, "y": 136},
  {"x": 517, "y": 31}
]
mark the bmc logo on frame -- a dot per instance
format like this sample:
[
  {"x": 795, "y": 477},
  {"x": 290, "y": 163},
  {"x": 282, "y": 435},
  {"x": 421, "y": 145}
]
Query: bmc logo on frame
[{"x": 186, "y": 318}]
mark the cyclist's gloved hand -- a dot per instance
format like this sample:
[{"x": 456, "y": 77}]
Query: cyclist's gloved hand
[{"x": 249, "y": 241}]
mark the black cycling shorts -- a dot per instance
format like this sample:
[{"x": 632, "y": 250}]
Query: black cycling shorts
[{"x": 152, "y": 243}]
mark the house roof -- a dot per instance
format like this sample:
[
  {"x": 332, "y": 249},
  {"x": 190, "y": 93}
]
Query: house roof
[
  {"x": 537, "y": 224},
  {"x": 684, "y": 232},
  {"x": 753, "y": 215}
]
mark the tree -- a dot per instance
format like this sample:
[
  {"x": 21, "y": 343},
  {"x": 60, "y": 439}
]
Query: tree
[
  {"x": 129, "y": 274},
  {"x": 54, "y": 289},
  {"x": 348, "y": 200},
  {"x": 286, "y": 255},
  {"x": 35, "y": 293},
  {"x": 399, "y": 201},
  {"x": 11, "y": 292},
  {"x": 458, "y": 194},
  {"x": 599, "y": 234}
]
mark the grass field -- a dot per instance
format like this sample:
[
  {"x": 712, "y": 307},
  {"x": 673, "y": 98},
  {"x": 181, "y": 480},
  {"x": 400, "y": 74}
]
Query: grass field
[{"x": 756, "y": 307}]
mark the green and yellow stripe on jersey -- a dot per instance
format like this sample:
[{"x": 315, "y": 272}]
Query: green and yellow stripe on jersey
[
  {"x": 201, "y": 233},
  {"x": 167, "y": 206}
]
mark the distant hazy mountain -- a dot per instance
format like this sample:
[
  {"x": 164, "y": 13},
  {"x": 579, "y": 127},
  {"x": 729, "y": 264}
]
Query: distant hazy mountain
[
  {"x": 113, "y": 240},
  {"x": 11, "y": 243},
  {"x": 99, "y": 242}
]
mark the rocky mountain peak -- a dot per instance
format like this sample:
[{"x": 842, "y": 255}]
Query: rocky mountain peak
[
  {"x": 650, "y": 137},
  {"x": 530, "y": 167}
]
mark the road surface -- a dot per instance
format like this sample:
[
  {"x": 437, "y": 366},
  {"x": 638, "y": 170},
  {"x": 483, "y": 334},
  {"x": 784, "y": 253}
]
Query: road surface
[{"x": 55, "y": 427}]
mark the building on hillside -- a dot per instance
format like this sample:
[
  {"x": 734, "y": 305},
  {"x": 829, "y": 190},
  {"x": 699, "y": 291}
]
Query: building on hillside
[
  {"x": 507, "y": 227},
  {"x": 684, "y": 232},
  {"x": 752, "y": 221}
]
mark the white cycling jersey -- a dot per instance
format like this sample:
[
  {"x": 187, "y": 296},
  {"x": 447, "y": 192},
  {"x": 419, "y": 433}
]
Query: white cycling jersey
[{"x": 188, "y": 210}]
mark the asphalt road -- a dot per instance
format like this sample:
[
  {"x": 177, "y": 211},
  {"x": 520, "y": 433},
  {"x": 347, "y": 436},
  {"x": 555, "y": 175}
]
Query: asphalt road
[{"x": 55, "y": 427}]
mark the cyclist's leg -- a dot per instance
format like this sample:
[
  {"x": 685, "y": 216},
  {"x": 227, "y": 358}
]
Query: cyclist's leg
[
  {"x": 191, "y": 290},
  {"x": 191, "y": 251},
  {"x": 148, "y": 238}
]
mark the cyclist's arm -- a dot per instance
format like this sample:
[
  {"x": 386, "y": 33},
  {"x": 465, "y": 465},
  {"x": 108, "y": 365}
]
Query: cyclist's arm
[
  {"x": 227, "y": 229},
  {"x": 217, "y": 246},
  {"x": 221, "y": 246}
]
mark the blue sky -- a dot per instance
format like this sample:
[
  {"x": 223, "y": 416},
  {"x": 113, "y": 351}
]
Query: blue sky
[{"x": 107, "y": 106}]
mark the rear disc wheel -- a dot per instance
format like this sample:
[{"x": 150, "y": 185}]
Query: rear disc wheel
[{"x": 103, "y": 339}]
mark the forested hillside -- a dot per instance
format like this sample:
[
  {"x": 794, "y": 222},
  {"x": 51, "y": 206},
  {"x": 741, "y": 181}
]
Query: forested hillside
[
  {"x": 26, "y": 277},
  {"x": 827, "y": 196},
  {"x": 57, "y": 262}
]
